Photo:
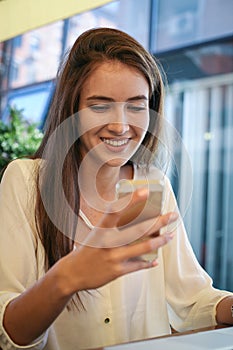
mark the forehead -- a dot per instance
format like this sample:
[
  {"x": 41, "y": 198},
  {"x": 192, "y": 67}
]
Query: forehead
[{"x": 116, "y": 80}]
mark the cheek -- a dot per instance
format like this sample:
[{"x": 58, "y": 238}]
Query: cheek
[
  {"x": 141, "y": 133},
  {"x": 140, "y": 123},
  {"x": 89, "y": 121}
]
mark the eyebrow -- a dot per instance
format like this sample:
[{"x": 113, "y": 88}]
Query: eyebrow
[{"x": 105, "y": 98}]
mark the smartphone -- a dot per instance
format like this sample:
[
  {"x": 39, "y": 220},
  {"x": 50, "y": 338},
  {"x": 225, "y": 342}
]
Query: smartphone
[{"x": 147, "y": 209}]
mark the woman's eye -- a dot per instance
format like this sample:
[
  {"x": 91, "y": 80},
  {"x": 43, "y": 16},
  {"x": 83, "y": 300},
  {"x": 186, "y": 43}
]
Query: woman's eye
[
  {"x": 136, "y": 108},
  {"x": 100, "y": 108}
]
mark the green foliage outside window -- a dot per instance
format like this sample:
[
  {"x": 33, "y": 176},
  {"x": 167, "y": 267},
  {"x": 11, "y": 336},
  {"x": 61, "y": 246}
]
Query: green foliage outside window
[{"x": 18, "y": 137}]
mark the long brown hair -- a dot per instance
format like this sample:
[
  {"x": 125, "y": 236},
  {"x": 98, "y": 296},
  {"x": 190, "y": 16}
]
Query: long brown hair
[{"x": 91, "y": 49}]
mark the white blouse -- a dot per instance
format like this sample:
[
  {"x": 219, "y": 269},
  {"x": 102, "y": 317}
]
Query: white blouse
[{"x": 139, "y": 305}]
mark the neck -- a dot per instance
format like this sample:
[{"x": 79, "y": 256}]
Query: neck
[
  {"x": 106, "y": 181},
  {"x": 99, "y": 183}
]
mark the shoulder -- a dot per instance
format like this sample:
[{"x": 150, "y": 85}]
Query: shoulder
[
  {"x": 18, "y": 188},
  {"x": 19, "y": 167},
  {"x": 19, "y": 174}
]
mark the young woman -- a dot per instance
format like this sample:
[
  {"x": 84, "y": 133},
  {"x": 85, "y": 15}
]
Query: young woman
[{"x": 70, "y": 279}]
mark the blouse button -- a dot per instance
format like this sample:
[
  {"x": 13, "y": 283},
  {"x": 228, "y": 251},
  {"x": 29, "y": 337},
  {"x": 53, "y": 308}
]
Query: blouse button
[{"x": 107, "y": 320}]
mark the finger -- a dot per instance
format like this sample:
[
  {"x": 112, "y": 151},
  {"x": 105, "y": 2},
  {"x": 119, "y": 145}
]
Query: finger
[
  {"x": 144, "y": 247},
  {"x": 161, "y": 222},
  {"x": 146, "y": 228},
  {"x": 139, "y": 264},
  {"x": 105, "y": 233}
]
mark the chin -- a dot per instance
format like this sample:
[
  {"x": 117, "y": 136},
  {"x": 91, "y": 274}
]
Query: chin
[{"x": 118, "y": 162}]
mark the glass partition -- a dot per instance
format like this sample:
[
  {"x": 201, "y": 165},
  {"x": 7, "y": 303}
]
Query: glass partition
[{"x": 202, "y": 111}]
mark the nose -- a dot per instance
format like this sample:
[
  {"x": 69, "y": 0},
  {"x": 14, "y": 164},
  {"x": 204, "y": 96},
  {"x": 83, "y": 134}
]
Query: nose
[
  {"x": 118, "y": 128},
  {"x": 119, "y": 124}
]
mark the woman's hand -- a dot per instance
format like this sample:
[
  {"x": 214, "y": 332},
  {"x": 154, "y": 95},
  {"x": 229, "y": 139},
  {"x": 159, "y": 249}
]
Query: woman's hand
[{"x": 107, "y": 253}]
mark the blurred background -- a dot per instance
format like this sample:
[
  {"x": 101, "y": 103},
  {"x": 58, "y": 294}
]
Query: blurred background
[{"x": 194, "y": 42}]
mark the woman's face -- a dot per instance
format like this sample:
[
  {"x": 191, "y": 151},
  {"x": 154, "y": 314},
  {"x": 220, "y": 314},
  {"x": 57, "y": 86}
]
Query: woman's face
[{"x": 113, "y": 113}]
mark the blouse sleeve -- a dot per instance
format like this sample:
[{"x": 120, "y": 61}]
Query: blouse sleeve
[
  {"x": 191, "y": 297},
  {"x": 18, "y": 243}
]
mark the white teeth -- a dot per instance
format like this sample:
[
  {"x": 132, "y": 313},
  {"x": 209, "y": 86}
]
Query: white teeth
[{"x": 115, "y": 143}]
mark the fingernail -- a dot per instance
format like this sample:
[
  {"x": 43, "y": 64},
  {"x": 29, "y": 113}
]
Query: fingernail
[
  {"x": 154, "y": 262},
  {"x": 173, "y": 216},
  {"x": 169, "y": 236}
]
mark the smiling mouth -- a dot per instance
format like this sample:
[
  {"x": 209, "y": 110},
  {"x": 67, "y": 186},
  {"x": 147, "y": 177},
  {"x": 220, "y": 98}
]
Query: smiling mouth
[{"x": 114, "y": 142}]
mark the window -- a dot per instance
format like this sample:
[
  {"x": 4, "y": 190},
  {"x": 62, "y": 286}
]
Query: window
[
  {"x": 181, "y": 22},
  {"x": 37, "y": 56},
  {"x": 117, "y": 14},
  {"x": 202, "y": 112},
  {"x": 198, "y": 61},
  {"x": 33, "y": 100}
]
